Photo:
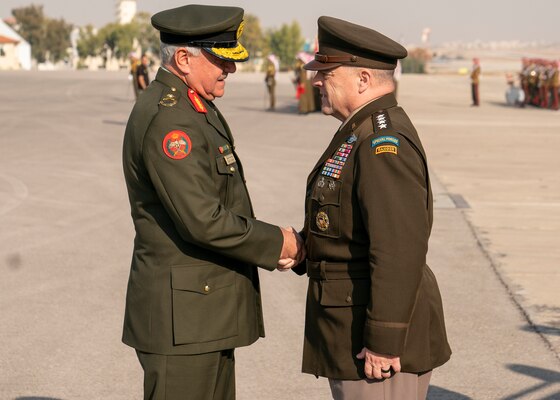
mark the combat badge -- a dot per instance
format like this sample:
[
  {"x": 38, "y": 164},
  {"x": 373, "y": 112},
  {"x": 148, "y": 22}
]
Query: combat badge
[
  {"x": 177, "y": 145},
  {"x": 322, "y": 221},
  {"x": 169, "y": 100}
]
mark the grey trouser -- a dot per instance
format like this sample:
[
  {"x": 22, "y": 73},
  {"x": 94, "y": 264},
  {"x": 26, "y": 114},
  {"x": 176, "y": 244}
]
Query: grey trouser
[{"x": 401, "y": 386}]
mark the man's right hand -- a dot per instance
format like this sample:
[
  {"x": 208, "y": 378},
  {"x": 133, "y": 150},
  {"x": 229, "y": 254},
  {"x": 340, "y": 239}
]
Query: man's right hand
[{"x": 293, "y": 249}]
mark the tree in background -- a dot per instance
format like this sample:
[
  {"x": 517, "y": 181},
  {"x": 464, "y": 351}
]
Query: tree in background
[
  {"x": 57, "y": 39},
  {"x": 146, "y": 34},
  {"x": 252, "y": 39},
  {"x": 285, "y": 43},
  {"x": 118, "y": 38},
  {"x": 31, "y": 26},
  {"x": 89, "y": 43}
]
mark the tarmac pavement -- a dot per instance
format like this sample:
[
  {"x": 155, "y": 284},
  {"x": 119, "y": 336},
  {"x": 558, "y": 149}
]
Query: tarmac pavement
[{"x": 66, "y": 235}]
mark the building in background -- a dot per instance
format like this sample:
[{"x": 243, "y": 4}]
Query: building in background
[
  {"x": 126, "y": 10},
  {"x": 15, "y": 52}
]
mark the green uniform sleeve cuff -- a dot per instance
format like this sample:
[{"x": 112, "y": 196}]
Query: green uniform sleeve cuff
[{"x": 385, "y": 337}]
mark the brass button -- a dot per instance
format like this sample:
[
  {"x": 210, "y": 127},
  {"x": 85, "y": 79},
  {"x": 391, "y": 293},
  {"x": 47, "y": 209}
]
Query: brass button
[
  {"x": 173, "y": 89},
  {"x": 322, "y": 197},
  {"x": 206, "y": 288},
  {"x": 232, "y": 169},
  {"x": 349, "y": 299}
]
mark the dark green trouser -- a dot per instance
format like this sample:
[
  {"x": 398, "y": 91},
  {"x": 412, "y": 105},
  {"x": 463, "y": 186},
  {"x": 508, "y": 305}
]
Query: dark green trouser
[{"x": 209, "y": 376}]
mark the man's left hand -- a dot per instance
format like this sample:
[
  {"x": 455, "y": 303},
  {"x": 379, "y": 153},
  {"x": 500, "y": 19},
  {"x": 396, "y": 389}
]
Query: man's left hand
[{"x": 379, "y": 366}]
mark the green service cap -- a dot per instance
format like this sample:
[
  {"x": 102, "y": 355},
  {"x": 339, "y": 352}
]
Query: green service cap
[
  {"x": 216, "y": 29},
  {"x": 344, "y": 43}
]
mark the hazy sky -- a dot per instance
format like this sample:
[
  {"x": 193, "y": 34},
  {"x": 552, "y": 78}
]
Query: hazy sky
[{"x": 449, "y": 20}]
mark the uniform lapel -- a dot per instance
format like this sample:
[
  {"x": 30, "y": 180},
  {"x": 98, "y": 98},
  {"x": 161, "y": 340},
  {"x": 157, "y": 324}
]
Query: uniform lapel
[{"x": 215, "y": 118}]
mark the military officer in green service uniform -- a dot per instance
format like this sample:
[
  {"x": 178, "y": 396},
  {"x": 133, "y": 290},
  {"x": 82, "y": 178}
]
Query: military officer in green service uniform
[
  {"x": 193, "y": 293},
  {"x": 374, "y": 317}
]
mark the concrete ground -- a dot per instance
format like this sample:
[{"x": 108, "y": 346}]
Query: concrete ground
[{"x": 66, "y": 236}]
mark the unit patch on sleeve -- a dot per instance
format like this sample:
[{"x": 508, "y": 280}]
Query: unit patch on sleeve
[
  {"x": 384, "y": 139},
  {"x": 177, "y": 145},
  {"x": 386, "y": 149}
]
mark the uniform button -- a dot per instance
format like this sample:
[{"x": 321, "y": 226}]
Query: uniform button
[
  {"x": 206, "y": 288},
  {"x": 322, "y": 197},
  {"x": 349, "y": 299},
  {"x": 232, "y": 169},
  {"x": 173, "y": 89}
]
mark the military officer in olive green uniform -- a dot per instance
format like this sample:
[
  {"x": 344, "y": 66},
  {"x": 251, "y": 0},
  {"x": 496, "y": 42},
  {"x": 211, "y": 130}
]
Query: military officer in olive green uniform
[
  {"x": 193, "y": 293},
  {"x": 374, "y": 317}
]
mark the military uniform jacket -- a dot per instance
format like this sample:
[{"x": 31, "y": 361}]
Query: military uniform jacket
[
  {"x": 368, "y": 217},
  {"x": 193, "y": 285}
]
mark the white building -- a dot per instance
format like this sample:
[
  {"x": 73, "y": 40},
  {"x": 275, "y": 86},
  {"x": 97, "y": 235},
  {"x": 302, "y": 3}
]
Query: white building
[
  {"x": 15, "y": 52},
  {"x": 126, "y": 10}
]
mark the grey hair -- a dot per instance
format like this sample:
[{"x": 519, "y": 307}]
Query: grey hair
[
  {"x": 383, "y": 75},
  {"x": 168, "y": 50}
]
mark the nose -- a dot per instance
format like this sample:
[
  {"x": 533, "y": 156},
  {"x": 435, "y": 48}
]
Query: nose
[
  {"x": 230, "y": 67},
  {"x": 316, "y": 81}
]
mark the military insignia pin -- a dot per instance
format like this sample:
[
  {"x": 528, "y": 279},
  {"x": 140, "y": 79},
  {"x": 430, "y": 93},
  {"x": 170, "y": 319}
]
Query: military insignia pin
[
  {"x": 322, "y": 221},
  {"x": 177, "y": 145}
]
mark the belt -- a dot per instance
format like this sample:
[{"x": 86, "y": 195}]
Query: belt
[{"x": 324, "y": 270}]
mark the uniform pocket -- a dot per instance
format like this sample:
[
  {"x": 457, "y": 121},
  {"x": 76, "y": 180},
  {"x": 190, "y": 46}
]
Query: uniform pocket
[
  {"x": 345, "y": 292},
  {"x": 204, "y": 303},
  {"x": 325, "y": 208}
]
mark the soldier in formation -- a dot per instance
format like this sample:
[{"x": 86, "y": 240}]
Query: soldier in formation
[{"x": 540, "y": 82}]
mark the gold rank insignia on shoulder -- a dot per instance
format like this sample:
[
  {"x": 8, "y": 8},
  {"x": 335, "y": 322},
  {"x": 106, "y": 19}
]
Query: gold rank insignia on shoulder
[{"x": 169, "y": 100}]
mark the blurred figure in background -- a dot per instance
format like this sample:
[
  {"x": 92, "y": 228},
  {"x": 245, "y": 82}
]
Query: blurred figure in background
[
  {"x": 133, "y": 73},
  {"x": 272, "y": 66},
  {"x": 475, "y": 79},
  {"x": 304, "y": 89},
  {"x": 142, "y": 75},
  {"x": 515, "y": 96},
  {"x": 555, "y": 84}
]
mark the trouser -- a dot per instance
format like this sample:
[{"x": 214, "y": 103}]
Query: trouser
[
  {"x": 401, "y": 386},
  {"x": 554, "y": 105},
  {"x": 474, "y": 90},
  {"x": 271, "y": 96},
  {"x": 544, "y": 96},
  {"x": 209, "y": 376}
]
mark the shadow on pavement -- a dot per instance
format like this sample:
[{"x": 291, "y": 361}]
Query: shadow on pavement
[
  {"x": 546, "y": 376},
  {"x": 438, "y": 393},
  {"x": 547, "y": 330},
  {"x": 36, "y": 398}
]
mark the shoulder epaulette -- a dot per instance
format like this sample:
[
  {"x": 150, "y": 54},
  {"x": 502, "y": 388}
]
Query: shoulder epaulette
[
  {"x": 196, "y": 102},
  {"x": 381, "y": 122}
]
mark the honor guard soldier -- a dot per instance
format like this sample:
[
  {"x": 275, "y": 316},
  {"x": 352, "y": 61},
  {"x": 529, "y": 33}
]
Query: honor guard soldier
[
  {"x": 374, "y": 318},
  {"x": 193, "y": 292}
]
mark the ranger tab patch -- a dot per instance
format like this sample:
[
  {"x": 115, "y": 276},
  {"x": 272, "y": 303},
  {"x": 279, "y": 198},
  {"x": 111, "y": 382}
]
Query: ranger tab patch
[
  {"x": 386, "y": 149},
  {"x": 196, "y": 102},
  {"x": 177, "y": 145}
]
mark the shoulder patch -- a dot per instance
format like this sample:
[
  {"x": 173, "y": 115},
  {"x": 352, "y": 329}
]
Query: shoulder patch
[
  {"x": 381, "y": 122},
  {"x": 196, "y": 102},
  {"x": 384, "y": 139},
  {"x": 177, "y": 145},
  {"x": 386, "y": 149}
]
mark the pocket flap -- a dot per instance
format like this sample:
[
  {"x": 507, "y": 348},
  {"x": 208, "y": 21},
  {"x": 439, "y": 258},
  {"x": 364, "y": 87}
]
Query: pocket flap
[
  {"x": 345, "y": 292},
  {"x": 203, "y": 279},
  {"x": 329, "y": 193}
]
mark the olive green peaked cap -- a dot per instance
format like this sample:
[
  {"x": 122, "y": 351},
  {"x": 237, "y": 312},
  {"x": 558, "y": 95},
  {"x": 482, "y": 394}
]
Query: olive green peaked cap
[
  {"x": 344, "y": 43},
  {"x": 216, "y": 29}
]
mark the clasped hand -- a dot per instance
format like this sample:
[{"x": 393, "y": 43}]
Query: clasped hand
[
  {"x": 293, "y": 250},
  {"x": 378, "y": 366}
]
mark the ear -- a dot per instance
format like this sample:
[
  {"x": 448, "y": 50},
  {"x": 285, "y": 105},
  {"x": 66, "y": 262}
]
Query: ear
[
  {"x": 181, "y": 58},
  {"x": 364, "y": 81}
]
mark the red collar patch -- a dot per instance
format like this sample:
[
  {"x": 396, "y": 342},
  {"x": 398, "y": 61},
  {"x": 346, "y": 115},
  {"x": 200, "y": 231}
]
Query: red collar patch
[
  {"x": 177, "y": 145},
  {"x": 196, "y": 102}
]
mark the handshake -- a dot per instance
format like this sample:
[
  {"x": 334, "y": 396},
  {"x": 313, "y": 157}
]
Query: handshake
[{"x": 293, "y": 249}]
